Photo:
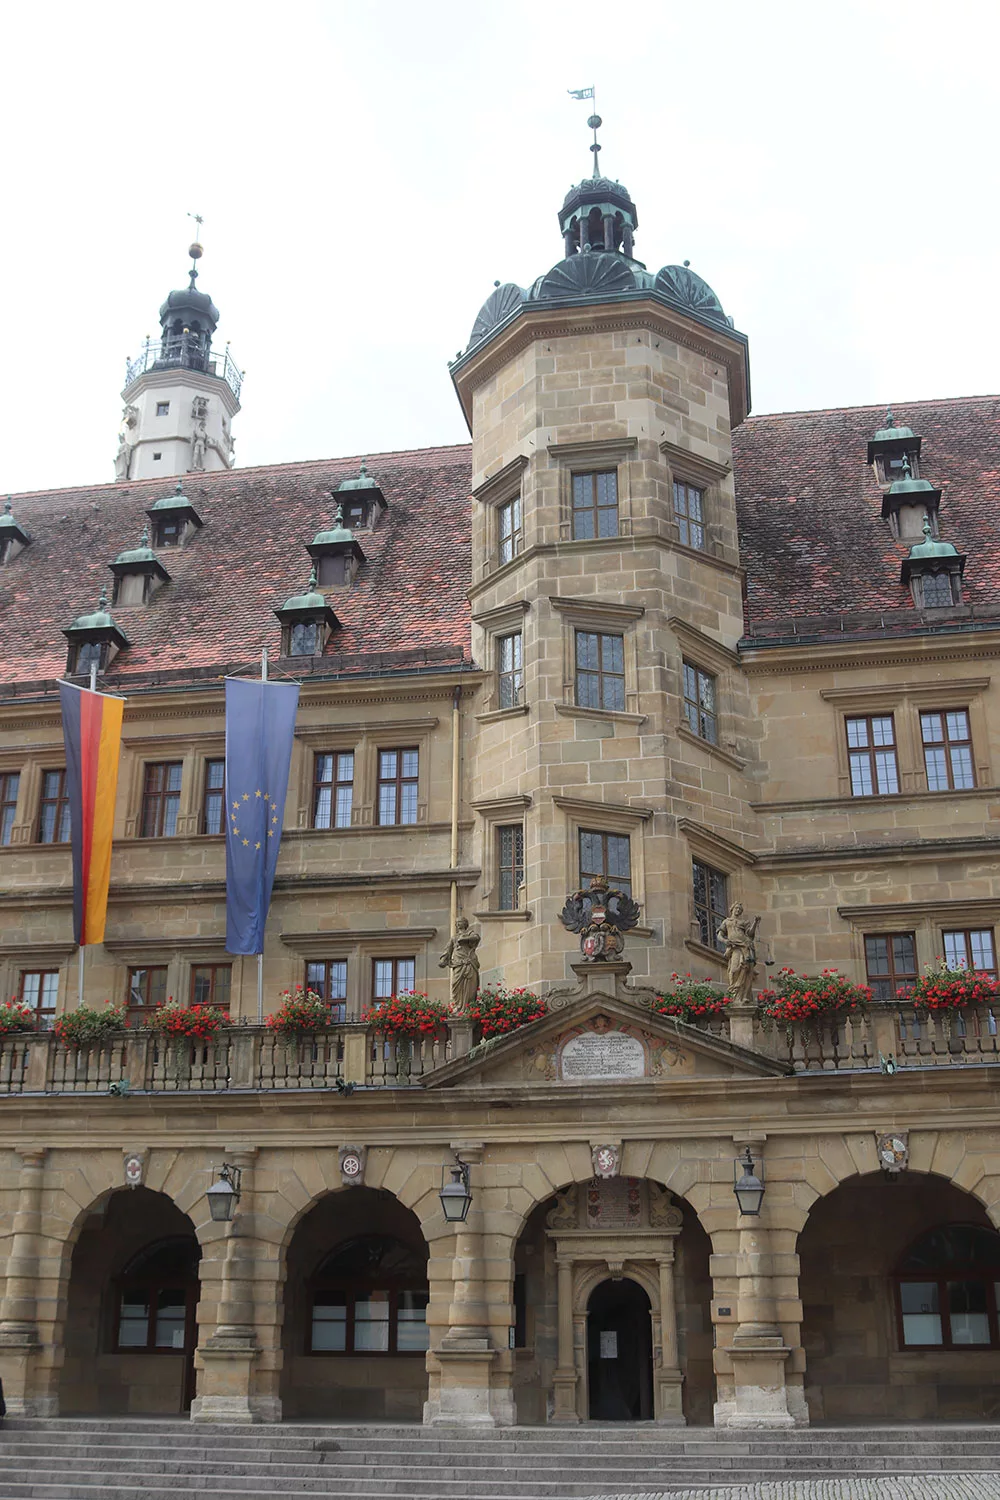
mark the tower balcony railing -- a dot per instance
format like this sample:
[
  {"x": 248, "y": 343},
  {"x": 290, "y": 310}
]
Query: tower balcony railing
[{"x": 184, "y": 351}]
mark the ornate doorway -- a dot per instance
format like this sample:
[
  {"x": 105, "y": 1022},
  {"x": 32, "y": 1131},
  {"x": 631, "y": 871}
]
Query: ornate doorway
[{"x": 619, "y": 1353}]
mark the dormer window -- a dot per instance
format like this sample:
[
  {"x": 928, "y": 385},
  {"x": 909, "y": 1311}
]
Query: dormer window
[
  {"x": 13, "y": 538},
  {"x": 174, "y": 519},
  {"x": 354, "y": 514},
  {"x": 94, "y": 640},
  {"x": 336, "y": 553},
  {"x": 138, "y": 573},
  {"x": 936, "y": 590},
  {"x": 933, "y": 571},
  {"x": 890, "y": 466},
  {"x": 361, "y": 501},
  {"x": 307, "y": 622},
  {"x": 89, "y": 654}
]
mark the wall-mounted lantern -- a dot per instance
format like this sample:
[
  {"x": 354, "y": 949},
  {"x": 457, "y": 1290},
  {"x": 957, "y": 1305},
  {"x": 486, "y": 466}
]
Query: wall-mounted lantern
[
  {"x": 456, "y": 1195},
  {"x": 224, "y": 1194},
  {"x": 748, "y": 1187}
]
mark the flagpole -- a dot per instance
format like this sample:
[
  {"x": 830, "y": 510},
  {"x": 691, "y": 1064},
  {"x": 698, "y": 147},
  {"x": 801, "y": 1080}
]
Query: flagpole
[
  {"x": 260, "y": 955},
  {"x": 80, "y": 950}
]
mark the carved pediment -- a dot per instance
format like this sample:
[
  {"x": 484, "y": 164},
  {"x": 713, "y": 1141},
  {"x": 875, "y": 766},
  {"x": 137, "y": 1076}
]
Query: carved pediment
[{"x": 601, "y": 1040}]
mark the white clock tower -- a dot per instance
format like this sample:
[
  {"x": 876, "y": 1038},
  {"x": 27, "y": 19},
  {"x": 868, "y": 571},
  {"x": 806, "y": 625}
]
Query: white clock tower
[{"x": 180, "y": 397}]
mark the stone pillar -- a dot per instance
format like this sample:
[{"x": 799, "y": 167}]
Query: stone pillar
[
  {"x": 465, "y": 1355},
  {"x": 460, "y": 1030},
  {"x": 19, "y": 1338},
  {"x": 609, "y": 232},
  {"x": 569, "y": 242},
  {"x": 225, "y": 1361},
  {"x": 758, "y": 1351},
  {"x": 627, "y": 245},
  {"x": 669, "y": 1379},
  {"x": 564, "y": 1381},
  {"x": 582, "y": 226}
]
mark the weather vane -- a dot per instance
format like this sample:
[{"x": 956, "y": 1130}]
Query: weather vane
[
  {"x": 594, "y": 121},
  {"x": 194, "y": 249}
]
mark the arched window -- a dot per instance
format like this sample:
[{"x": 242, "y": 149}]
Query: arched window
[
  {"x": 157, "y": 1296},
  {"x": 369, "y": 1297},
  {"x": 947, "y": 1289}
]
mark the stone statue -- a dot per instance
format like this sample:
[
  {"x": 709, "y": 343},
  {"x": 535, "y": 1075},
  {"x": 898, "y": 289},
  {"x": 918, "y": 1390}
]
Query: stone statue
[
  {"x": 740, "y": 937},
  {"x": 199, "y": 446},
  {"x": 130, "y": 416},
  {"x": 601, "y": 915},
  {"x": 461, "y": 958},
  {"x": 123, "y": 457}
]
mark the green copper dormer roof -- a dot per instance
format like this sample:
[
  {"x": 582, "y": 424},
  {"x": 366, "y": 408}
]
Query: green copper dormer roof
[
  {"x": 99, "y": 626},
  {"x": 909, "y": 491},
  {"x": 892, "y": 439},
  {"x": 336, "y": 539},
  {"x": 311, "y": 605},
  {"x": 10, "y": 530},
  {"x": 930, "y": 556},
  {"x": 141, "y": 559},
  {"x": 364, "y": 481},
  {"x": 173, "y": 506}
]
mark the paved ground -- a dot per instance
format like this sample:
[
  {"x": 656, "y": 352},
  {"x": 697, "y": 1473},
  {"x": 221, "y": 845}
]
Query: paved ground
[{"x": 915, "y": 1487}]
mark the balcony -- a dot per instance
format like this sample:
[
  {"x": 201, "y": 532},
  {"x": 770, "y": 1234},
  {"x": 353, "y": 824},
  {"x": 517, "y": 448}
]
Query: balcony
[{"x": 184, "y": 351}]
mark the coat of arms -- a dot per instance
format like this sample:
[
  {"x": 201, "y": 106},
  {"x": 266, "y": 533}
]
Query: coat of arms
[{"x": 601, "y": 915}]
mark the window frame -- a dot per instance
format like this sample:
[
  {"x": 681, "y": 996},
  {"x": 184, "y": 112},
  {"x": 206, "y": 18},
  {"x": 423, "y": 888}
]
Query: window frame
[
  {"x": 151, "y": 1286},
  {"x": 163, "y": 524},
  {"x": 510, "y": 539},
  {"x": 42, "y": 1013},
  {"x": 694, "y": 704},
  {"x": 8, "y": 806},
  {"x": 682, "y": 489},
  {"x": 593, "y": 506},
  {"x": 966, "y": 934},
  {"x": 508, "y": 871},
  {"x": 361, "y": 1288},
  {"x": 208, "y": 791},
  {"x": 214, "y": 970},
  {"x": 616, "y": 882},
  {"x": 137, "y": 1010},
  {"x": 974, "y": 1271},
  {"x": 335, "y": 783},
  {"x": 163, "y": 408},
  {"x": 870, "y": 752},
  {"x": 600, "y": 673},
  {"x": 895, "y": 977},
  {"x": 707, "y": 909},
  {"x": 338, "y": 1003},
  {"x": 400, "y": 783},
  {"x": 513, "y": 675},
  {"x": 945, "y": 744},
  {"x": 394, "y": 960},
  {"x": 61, "y": 803},
  {"x": 157, "y": 800}
]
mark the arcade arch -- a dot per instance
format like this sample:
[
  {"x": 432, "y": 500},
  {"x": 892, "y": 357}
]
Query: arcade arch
[
  {"x": 862, "y": 1244},
  {"x": 355, "y": 1333},
  {"x": 131, "y": 1328}
]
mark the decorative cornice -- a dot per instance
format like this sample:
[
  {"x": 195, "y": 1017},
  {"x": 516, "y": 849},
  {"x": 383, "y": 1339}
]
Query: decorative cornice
[
  {"x": 690, "y": 635},
  {"x": 888, "y": 799},
  {"x": 145, "y": 947},
  {"x": 495, "y": 715},
  {"x": 602, "y": 715},
  {"x": 706, "y": 468},
  {"x": 661, "y": 540},
  {"x": 853, "y": 654},
  {"x": 915, "y": 851},
  {"x": 595, "y": 605},
  {"x": 491, "y": 616},
  {"x": 892, "y": 691},
  {"x": 584, "y": 807},
  {"x": 311, "y": 734},
  {"x": 982, "y": 908},
  {"x": 312, "y": 944},
  {"x": 505, "y": 479},
  {"x": 697, "y": 833},
  {"x": 596, "y": 448},
  {"x": 497, "y": 806}
]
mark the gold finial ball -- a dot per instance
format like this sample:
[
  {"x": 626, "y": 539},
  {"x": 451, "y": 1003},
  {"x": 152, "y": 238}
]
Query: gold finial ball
[{"x": 195, "y": 251}]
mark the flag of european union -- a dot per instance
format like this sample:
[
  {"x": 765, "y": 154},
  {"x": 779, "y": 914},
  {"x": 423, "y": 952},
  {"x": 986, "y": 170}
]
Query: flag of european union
[{"x": 260, "y": 728}]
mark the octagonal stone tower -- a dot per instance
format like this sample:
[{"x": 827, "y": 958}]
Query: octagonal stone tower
[{"x": 607, "y": 599}]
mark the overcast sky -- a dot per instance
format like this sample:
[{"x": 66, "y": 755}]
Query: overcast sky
[{"x": 366, "y": 171}]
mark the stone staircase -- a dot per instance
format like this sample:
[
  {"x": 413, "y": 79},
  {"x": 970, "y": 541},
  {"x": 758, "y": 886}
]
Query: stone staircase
[{"x": 128, "y": 1458}]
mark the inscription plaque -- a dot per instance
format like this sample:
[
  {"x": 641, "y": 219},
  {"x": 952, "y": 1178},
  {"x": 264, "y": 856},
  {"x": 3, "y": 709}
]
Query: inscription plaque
[{"x": 612, "y": 1054}]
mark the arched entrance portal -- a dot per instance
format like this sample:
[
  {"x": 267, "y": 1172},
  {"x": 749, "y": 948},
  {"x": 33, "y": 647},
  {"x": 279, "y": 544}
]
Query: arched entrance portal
[
  {"x": 130, "y": 1322},
  {"x": 899, "y": 1281},
  {"x": 622, "y": 1233},
  {"x": 619, "y": 1353},
  {"x": 355, "y": 1331}
]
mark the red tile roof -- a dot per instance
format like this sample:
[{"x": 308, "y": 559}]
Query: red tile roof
[
  {"x": 817, "y": 552},
  {"x": 407, "y": 608},
  {"x": 820, "y": 559}
]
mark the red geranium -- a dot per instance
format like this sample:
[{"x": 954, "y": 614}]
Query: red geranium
[
  {"x": 942, "y": 988},
  {"x": 194, "y": 1023},
  {"x": 408, "y": 1014},
  {"x": 299, "y": 1014},
  {"x": 803, "y": 997},
  {"x": 497, "y": 1010},
  {"x": 691, "y": 998},
  {"x": 16, "y": 1016}
]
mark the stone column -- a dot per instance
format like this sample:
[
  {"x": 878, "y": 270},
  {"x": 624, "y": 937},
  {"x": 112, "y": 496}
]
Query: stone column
[
  {"x": 758, "y": 1351},
  {"x": 609, "y": 231},
  {"x": 225, "y": 1360},
  {"x": 465, "y": 1355},
  {"x": 564, "y": 1381},
  {"x": 19, "y": 1338},
  {"x": 669, "y": 1379}
]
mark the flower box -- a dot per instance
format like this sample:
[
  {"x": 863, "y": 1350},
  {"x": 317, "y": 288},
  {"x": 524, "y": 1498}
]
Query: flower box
[
  {"x": 408, "y": 1014},
  {"x": 497, "y": 1011},
  {"x": 86, "y": 1025},
  {"x": 808, "y": 997}
]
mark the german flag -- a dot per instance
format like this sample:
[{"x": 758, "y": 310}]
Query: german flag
[{"x": 92, "y": 729}]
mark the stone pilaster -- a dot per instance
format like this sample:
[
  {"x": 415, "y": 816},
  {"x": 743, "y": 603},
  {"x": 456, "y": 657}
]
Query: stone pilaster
[
  {"x": 226, "y": 1359},
  {"x": 19, "y": 1336},
  {"x": 463, "y": 1392}
]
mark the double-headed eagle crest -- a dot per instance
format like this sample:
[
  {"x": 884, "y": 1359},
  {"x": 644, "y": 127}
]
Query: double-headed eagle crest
[{"x": 601, "y": 915}]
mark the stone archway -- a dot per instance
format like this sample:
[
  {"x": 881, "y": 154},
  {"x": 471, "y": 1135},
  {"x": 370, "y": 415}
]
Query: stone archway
[
  {"x": 131, "y": 1307},
  {"x": 860, "y": 1364},
  {"x": 617, "y": 1228},
  {"x": 619, "y": 1351},
  {"x": 354, "y": 1334}
]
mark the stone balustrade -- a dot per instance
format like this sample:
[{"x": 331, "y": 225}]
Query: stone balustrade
[{"x": 252, "y": 1058}]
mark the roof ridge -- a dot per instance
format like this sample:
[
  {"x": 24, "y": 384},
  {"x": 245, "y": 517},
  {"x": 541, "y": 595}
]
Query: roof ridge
[
  {"x": 122, "y": 487},
  {"x": 874, "y": 406}
]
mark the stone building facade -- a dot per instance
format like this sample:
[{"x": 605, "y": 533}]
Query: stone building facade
[{"x": 630, "y": 631}]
